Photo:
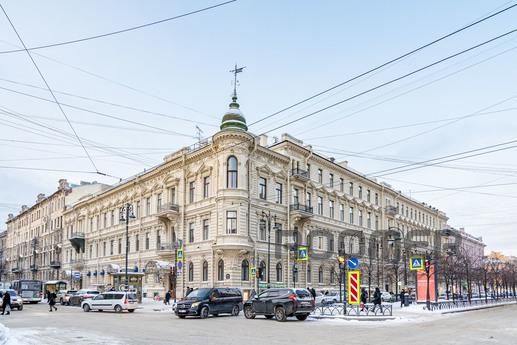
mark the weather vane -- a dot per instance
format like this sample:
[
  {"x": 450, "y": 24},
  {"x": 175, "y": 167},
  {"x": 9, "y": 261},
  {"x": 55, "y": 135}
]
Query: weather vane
[{"x": 235, "y": 71}]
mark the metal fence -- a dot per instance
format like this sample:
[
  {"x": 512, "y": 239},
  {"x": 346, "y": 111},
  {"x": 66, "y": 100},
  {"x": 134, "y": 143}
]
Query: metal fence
[
  {"x": 448, "y": 305},
  {"x": 368, "y": 309}
]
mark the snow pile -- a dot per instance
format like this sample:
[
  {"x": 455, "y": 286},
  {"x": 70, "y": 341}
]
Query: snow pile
[
  {"x": 4, "y": 335},
  {"x": 149, "y": 304}
]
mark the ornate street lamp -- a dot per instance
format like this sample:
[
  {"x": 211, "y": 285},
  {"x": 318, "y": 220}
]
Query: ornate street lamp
[{"x": 126, "y": 213}]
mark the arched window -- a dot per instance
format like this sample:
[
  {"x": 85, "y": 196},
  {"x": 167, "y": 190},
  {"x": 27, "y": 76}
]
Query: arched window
[
  {"x": 205, "y": 271},
  {"x": 262, "y": 271},
  {"x": 231, "y": 172},
  {"x": 309, "y": 274},
  {"x": 190, "y": 272},
  {"x": 332, "y": 275},
  {"x": 320, "y": 275},
  {"x": 245, "y": 270},
  {"x": 279, "y": 272},
  {"x": 220, "y": 270}
]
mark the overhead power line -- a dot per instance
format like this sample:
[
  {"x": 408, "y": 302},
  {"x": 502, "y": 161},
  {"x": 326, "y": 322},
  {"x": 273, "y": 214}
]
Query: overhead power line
[
  {"x": 50, "y": 90},
  {"x": 386, "y": 63},
  {"x": 394, "y": 80},
  {"x": 118, "y": 31},
  {"x": 431, "y": 162}
]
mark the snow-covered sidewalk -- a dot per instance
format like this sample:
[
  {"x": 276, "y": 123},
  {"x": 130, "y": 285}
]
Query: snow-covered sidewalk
[{"x": 150, "y": 305}]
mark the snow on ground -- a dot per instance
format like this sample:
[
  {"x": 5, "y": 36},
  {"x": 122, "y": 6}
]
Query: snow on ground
[
  {"x": 150, "y": 305},
  {"x": 50, "y": 335}
]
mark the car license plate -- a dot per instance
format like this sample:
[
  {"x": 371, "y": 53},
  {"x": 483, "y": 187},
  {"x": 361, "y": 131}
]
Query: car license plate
[
  {"x": 182, "y": 311},
  {"x": 306, "y": 304}
]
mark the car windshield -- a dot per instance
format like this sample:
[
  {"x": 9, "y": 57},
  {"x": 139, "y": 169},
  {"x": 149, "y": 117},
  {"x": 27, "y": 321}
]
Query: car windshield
[
  {"x": 199, "y": 293},
  {"x": 302, "y": 293}
]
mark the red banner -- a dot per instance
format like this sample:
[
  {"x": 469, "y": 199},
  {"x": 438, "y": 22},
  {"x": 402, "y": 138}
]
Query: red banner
[{"x": 421, "y": 285}]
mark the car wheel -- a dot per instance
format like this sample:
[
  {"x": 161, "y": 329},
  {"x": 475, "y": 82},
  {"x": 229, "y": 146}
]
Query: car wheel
[
  {"x": 248, "y": 312},
  {"x": 86, "y": 308},
  {"x": 131, "y": 310},
  {"x": 269, "y": 317},
  {"x": 118, "y": 308},
  {"x": 302, "y": 317},
  {"x": 20, "y": 307},
  {"x": 61, "y": 301},
  {"x": 204, "y": 313},
  {"x": 280, "y": 314},
  {"x": 235, "y": 310}
]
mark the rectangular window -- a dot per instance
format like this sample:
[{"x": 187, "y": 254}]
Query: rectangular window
[
  {"x": 320, "y": 175},
  {"x": 296, "y": 199},
  {"x": 278, "y": 233},
  {"x": 309, "y": 199},
  {"x": 342, "y": 212},
  {"x": 91, "y": 251},
  {"x": 351, "y": 188},
  {"x": 331, "y": 180},
  {"x": 112, "y": 218},
  {"x": 137, "y": 210},
  {"x": 262, "y": 230},
  {"x": 158, "y": 202},
  {"x": 376, "y": 222},
  {"x": 206, "y": 186},
  {"x": 158, "y": 240},
  {"x": 360, "y": 192},
  {"x": 360, "y": 218},
  {"x": 368, "y": 195},
  {"x": 320, "y": 205},
  {"x": 262, "y": 188},
  {"x": 351, "y": 213},
  {"x": 331, "y": 244},
  {"x": 104, "y": 248},
  {"x": 172, "y": 195},
  {"x": 205, "y": 229},
  {"x": 308, "y": 170},
  {"x": 191, "y": 232},
  {"x": 120, "y": 246},
  {"x": 137, "y": 243},
  {"x": 341, "y": 185},
  {"x": 191, "y": 191},
  {"x": 146, "y": 240},
  {"x": 369, "y": 220},
  {"x": 231, "y": 222},
  {"x": 147, "y": 206},
  {"x": 112, "y": 242},
  {"x": 331, "y": 208},
  {"x": 278, "y": 192},
  {"x": 376, "y": 198}
]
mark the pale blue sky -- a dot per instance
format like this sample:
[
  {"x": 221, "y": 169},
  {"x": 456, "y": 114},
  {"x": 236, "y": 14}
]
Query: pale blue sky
[{"x": 292, "y": 49}]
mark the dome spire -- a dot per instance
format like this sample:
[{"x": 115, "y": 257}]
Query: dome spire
[{"x": 233, "y": 118}]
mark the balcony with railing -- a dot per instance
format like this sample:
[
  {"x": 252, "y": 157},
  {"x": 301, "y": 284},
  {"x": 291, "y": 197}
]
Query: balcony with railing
[
  {"x": 300, "y": 174},
  {"x": 166, "y": 250},
  {"x": 77, "y": 241},
  {"x": 391, "y": 210},
  {"x": 169, "y": 210},
  {"x": 16, "y": 269},
  {"x": 301, "y": 210},
  {"x": 55, "y": 264}
]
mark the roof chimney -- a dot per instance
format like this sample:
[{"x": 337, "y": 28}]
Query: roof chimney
[{"x": 40, "y": 197}]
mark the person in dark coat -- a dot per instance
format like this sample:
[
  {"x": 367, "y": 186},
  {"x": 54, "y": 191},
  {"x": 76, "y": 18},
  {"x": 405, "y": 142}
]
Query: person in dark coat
[
  {"x": 364, "y": 298},
  {"x": 313, "y": 293},
  {"x": 377, "y": 299},
  {"x": 167, "y": 297},
  {"x": 6, "y": 304},
  {"x": 52, "y": 300},
  {"x": 402, "y": 297}
]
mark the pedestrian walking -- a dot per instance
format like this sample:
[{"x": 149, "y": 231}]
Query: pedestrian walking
[
  {"x": 402, "y": 297},
  {"x": 313, "y": 293},
  {"x": 377, "y": 299},
  {"x": 52, "y": 301},
  {"x": 167, "y": 298},
  {"x": 6, "y": 303},
  {"x": 364, "y": 298}
]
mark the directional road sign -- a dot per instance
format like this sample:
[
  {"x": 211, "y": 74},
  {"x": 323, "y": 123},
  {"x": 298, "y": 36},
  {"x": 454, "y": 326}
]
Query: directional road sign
[
  {"x": 77, "y": 275},
  {"x": 416, "y": 263},
  {"x": 354, "y": 287},
  {"x": 353, "y": 263}
]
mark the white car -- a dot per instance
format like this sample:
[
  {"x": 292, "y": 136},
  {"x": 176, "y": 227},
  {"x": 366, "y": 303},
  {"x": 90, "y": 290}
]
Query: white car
[
  {"x": 387, "y": 297},
  {"x": 112, "y": 300}
]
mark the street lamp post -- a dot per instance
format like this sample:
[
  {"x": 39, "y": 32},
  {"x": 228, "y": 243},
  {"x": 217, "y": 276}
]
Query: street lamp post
[
  {"x": 126, "y": 213},
  {"x": 267, "y": 216}
]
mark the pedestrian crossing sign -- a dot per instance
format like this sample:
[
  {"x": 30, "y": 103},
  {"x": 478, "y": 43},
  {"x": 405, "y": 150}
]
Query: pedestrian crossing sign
[
  {"x": 179, "y": 254},
  {"x": 416, "y": 263},
  {"x": 303, "y": 254}
]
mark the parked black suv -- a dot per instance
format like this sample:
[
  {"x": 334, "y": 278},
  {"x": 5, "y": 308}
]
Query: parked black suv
[
  {"x": 205, "y": 301},
  {"x": 280, "y": 303}
]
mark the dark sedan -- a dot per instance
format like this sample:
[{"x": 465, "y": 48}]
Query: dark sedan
[
  {"x": 78, "y": 298},
  {"x": 280, "y": 303}
]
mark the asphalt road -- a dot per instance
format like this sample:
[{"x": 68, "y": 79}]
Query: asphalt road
[{"x": 70, "y": 325}]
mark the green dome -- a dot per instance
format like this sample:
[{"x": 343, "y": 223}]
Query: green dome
[{"x": 233, "y": 118}]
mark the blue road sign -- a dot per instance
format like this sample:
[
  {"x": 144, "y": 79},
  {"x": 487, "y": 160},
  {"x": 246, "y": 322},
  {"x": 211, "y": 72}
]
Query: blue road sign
[
  {"x": 416, "y": 263},
  {"x": 302, "y": 254},
  {"x": 77, "y": 275},
  {"x": 353, "y": 263}
]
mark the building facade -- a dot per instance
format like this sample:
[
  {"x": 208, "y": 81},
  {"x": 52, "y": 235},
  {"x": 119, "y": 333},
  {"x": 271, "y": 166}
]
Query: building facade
[
  {"x": 34, "y": 237},
  {"x": 239, "y": 211}
]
